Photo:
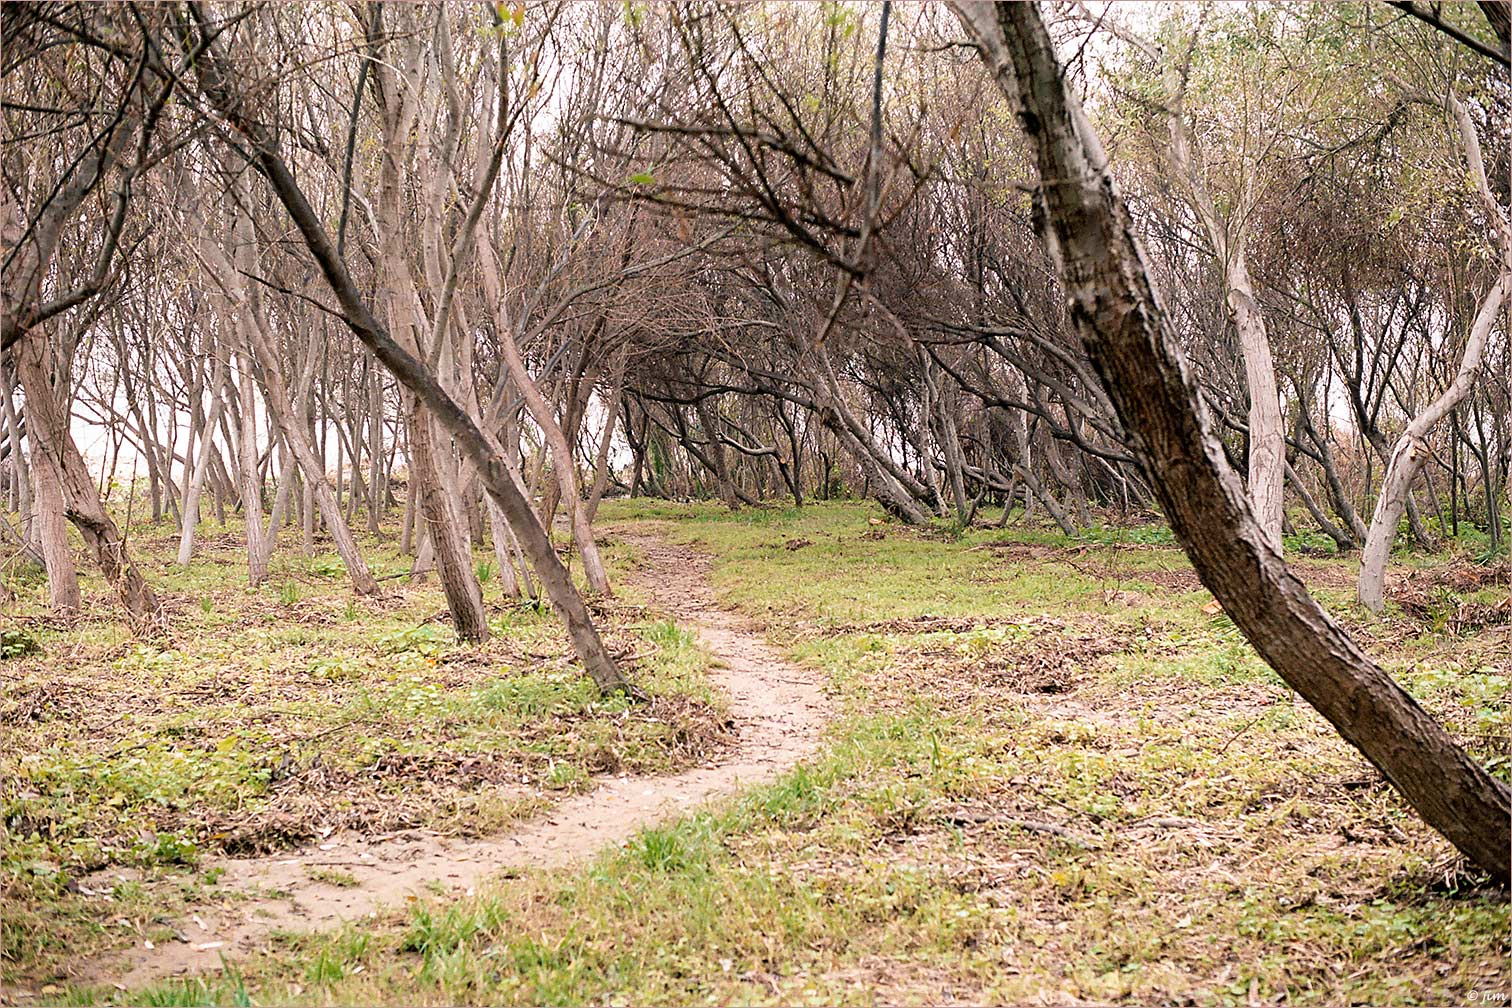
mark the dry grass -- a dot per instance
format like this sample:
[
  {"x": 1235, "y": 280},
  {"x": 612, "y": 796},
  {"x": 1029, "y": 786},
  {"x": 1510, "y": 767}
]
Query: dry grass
[
  {"x": 1056, "y": 779},
  {"x": 268, "y": 718}
]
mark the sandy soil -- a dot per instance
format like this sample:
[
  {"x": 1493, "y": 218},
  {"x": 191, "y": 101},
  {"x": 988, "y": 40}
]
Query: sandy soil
[{"x": 778, "y": 710}]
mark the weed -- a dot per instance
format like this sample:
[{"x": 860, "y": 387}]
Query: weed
[
  {"x": 564, "y": 777},
  {"x": 331, "y": 876},
  {"x": 17, "y": 643},
  {"x": 427, "y": 640},
  {"x": 328, "y": 566}
]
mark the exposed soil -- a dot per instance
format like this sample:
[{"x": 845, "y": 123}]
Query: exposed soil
[{"x": 777, "y": 709}]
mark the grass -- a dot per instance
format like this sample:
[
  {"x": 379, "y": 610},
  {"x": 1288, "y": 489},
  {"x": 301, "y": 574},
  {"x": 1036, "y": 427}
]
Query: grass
[
  {"x": 1054, "y": 774},
  {"x": 269, "y": 717}
]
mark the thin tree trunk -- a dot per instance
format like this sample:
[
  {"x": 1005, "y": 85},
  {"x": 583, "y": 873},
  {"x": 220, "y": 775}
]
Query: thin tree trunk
[
  {"x": 201, "y": 465},
  {"x": 55, "y": 452},
  {"x": 561, "y": 452},
  {"x": 1341, "y": 538},
  {"x": 464, "y": 597},
  {"x": 606, "y": 440},
  {"x": 22, "y": 471},
  {"x": 1412, "y": 452},
  {"x": 259, "y": 545}
]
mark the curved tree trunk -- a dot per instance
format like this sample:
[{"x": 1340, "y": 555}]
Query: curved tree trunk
[
  {"x": 563, "y": 465},
  {"x": 1129, "y": 339},
  {"x": 1411, "y": 452},
  {"x": 1267, "y": 433},
  {"x": 54, "y": 451}
]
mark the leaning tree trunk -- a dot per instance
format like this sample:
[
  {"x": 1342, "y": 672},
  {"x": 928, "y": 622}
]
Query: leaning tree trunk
[
  {"x": 54, "y": 450},
  {"x": 1118, "y": 316},
  {"x": 564, "y": 466},
  {"x": 1411, "y": 452},
  {"x": 219, "y": 87},
  {"x": 318, "y": 492}
]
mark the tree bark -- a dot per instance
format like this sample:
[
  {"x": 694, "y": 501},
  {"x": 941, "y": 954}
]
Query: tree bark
[
  {"x": 464, "y": 597},
  {"x": 49, "y": 527},
  {"x": 47, "y": 427},
  {"x": 1118, "y": 316},
  {"x": 1412, "y": 452},
  {"x": 218, "y": 86}
]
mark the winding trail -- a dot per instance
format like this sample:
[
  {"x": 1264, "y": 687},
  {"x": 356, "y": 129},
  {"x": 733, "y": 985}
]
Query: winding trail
[{"x": 778, "y": 711}]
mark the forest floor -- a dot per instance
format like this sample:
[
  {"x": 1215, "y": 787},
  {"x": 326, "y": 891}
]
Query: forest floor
[{"x": 1054, "y": 773}]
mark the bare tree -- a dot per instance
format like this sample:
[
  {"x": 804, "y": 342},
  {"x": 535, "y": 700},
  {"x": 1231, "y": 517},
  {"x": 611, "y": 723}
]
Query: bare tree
[{"x": 1122, "y": 322}]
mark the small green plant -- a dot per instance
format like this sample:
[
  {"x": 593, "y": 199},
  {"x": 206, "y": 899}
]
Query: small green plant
[
  {"x": 338, "y": 668},
  {"x": 484, "y": 571},
  {"x": 427, "y": 640},
  {"x": 24, "y": 574},
  {"x": 530, "y": 697},
  {"x": 168, "y": 848},
  {"x": 439, "y": 933},
  {"x": 145, "y": 658},
  {"x": 332, "y": 876},
  {"x": 17, "y": 643},
  {"x": 325, "y": 968},
  {"x": 667, "y": 634},
  {"x": 676, "y": 848},
  {"x": 327, "y": 567},
  {"x": 564, "y": 777},
  {"x": 207, "y": 605},
  {"x": 289, "y": 593}
]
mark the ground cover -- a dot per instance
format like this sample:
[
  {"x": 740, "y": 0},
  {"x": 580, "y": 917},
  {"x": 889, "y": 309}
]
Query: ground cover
[
  {"x": 286, "y": 714},
  {"x": 1057, "y": 773}
]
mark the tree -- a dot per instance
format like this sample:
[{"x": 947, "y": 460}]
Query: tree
[
  {"x": 1123, "y": 325},
  {"x": 217, "y": 83},
  {"x": 1411, "y": 451}
]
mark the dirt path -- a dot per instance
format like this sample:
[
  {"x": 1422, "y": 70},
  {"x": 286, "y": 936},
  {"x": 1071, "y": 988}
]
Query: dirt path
[{"x": 778, "y": 710}]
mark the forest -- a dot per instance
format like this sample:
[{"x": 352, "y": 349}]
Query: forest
[{"x": 755, "y": 502}]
